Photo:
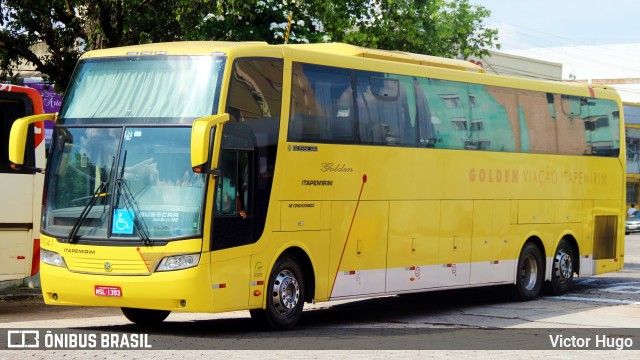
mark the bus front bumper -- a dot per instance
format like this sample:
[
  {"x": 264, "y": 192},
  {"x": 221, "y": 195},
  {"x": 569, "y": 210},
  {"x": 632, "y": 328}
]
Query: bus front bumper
[{"x": 185, "y": 290}]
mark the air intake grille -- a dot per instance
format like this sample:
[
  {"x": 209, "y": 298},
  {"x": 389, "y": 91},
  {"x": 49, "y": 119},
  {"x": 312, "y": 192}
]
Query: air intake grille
[{"x": 605, "y": 237}]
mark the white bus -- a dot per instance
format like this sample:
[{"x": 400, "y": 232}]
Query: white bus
[{"x": 21, "y": 188}]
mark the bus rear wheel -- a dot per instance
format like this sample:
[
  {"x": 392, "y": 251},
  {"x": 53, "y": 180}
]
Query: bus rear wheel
[
  {"x": 530, "y": 273},
  {"x": 563, "y": 269},
  {"x": 285, "y": 296},
  {"x": 145, "y": 316}
]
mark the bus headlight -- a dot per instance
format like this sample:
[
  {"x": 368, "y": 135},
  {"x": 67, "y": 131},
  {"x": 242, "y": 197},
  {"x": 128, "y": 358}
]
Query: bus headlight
[
  {"x": 178, "y": 262},
  {"x": 52, "y": 258}
]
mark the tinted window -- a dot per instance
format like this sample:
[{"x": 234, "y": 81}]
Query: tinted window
[
  {"x": 322, "y": 105},
  {"x": 145, "y": 89},
  {"x": 249, "y": 149},
  {"x": 348, "y": 106},
  {"x": 256, "y": 85},
  {"x": 12, "y": 107},
  {"x": 383, "y": 110}
]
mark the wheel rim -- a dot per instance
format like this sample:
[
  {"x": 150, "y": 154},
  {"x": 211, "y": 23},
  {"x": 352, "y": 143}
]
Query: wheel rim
[
  {"x": 286, "y": 292},
  {"x": 529, "y": 272},
  {"x": 564, "y": 267}
]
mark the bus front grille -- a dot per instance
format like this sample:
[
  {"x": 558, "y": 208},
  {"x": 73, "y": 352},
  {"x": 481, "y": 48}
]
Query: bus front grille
[{"x": 110, "y": 267}]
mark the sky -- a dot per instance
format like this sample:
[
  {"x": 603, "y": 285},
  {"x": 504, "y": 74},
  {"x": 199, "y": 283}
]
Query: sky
[
  {"x": 592, "y": 39},
  {"x": 526, "y": 24}
]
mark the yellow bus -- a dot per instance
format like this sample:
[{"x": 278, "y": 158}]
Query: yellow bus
[{"x": 214, "y": 176}]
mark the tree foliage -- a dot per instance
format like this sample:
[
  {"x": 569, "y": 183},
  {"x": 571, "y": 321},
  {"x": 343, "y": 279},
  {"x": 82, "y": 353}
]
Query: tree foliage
[
  {"x": 69, "y": 27},
  {"x": 433, "y": 27}
]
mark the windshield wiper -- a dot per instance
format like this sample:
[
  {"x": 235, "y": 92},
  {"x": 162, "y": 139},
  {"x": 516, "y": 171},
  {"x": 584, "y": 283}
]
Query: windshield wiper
[
  {"x": 131, "y": 205},
  {"x": 99, "y": 192}
]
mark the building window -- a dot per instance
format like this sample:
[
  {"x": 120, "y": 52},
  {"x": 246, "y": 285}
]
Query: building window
[{"x": 632, "y": 193}]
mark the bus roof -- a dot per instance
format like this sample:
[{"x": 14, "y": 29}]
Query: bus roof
[
  {"x": 208, "y": 47},
  {"x": 389, "y": 55},
  {"x": 176, "y": 48},
  {"x": 259, "y": 48}
]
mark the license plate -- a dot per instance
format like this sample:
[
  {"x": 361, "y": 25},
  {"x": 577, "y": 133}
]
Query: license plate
[
  {"x": 111, "y": 291},
  {"x": 632, "y": 226}
]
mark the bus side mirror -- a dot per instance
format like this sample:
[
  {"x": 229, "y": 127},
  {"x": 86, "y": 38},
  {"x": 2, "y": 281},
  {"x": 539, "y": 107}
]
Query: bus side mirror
[
  {"x": 18, "y": 136},
  {"x": 201, "y": 141}
]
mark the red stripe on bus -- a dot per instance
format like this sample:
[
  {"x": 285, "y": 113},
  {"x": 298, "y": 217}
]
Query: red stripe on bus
[
  {"x": 145, "y": 263},
  {"x": 364, "y": 181},
  {"x": 35, "y": 260}
]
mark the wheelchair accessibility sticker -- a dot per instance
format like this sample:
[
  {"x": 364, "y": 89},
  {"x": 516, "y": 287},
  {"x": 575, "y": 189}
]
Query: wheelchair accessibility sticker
[{"x": 122, "y": 222}]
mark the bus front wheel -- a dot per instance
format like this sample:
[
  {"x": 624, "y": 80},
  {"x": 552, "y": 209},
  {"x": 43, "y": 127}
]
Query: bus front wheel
[
  {"x": 563, "y": 269},
  {"x": 145, "y": 316},
  {"x": 530, "y": 273},
  {"x": 285, "y": 295}
]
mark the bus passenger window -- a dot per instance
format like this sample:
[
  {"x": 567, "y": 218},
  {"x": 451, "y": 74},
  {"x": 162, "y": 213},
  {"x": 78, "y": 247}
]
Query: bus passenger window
[
  {"x": 383, "y": 112},
  {"x": 255, "y": 90},
  {"x": 321, "y": 108},
  {"x": 342, "y": 117},
  {"x": 427, "y": 132},
  {"x": 601, "y": 121}
]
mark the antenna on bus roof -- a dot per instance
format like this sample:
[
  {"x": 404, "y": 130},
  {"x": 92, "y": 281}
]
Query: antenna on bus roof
[{"x": 286, "y": 36}]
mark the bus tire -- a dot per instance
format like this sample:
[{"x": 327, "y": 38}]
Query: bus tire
[
  {"x": 563, "y": 269},
  {"x": 285, "y": 295},
  {"x": 145, "y": 317},
  {"x": 530, "y": 273}
]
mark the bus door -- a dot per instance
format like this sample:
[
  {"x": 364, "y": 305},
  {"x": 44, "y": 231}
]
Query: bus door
[
  {"x": 233, "y": 208},
  {"x": 233, "y": 219}
]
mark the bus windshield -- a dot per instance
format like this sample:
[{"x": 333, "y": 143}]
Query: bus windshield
[
  {"x": 149, "y": 89},
  {"x": 133, "y": 183}
]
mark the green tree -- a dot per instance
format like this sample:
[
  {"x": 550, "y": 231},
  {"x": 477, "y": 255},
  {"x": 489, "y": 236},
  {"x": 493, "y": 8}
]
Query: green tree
[
  {"x": 24, "y": 24},
  {"x": 267, "y": 20},
  {"x": 70, "y": 27},
  {"x": 433, "y": 27}
]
